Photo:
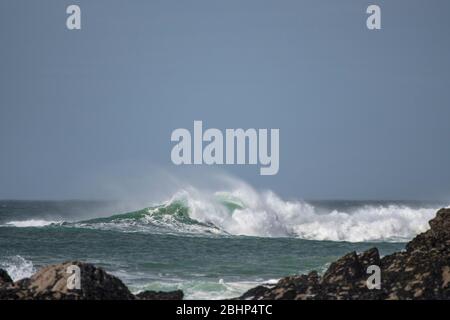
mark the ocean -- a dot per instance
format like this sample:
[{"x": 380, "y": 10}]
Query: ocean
[{"x": 211, "y": 246}]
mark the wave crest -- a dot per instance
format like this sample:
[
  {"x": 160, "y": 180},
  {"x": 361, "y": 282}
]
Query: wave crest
[
  {"x": 243, "y": 211},
  {"x": 267, "y": 215},
  {"x": 246, "y": 212}
]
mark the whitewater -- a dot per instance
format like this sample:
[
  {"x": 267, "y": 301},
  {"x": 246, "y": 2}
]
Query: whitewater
[{"x": 244, "y": 211}]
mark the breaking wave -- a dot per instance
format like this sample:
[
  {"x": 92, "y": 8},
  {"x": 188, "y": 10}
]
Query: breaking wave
[
  {"x": 243, "y": 211},
  {"x": 246, "y": 212}
]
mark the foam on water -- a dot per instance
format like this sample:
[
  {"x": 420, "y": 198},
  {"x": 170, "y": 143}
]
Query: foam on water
[
  {"x": 240, "y": 210},
  {"x": 30, "y": 223},
  {"x": 201, "y": 289},
  {"x": 17, "y": 267},
  {"x": 265, "y": 214}
]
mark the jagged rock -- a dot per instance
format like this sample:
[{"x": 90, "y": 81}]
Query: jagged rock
[
  {"x": 369, "y": 258},
  {"x": 50, "y": 283},
  {"x": 343, "y": 271},
  {"x": 254, "y": 292},
  {"x": 159, "y": 295},
  {"x": 421, "y": 272},
  {"x": 4, "y": 277}
]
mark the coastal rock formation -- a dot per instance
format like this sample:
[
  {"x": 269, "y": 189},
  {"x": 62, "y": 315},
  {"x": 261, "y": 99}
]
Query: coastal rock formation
[
  {"x": 422, "y": 271},
  {"x": 4, "y": 278},
  {"x": 50, "y": 283}
]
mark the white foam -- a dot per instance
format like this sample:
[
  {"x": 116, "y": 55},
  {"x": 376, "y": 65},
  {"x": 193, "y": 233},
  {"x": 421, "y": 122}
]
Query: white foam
[
  {"x": 200, "y": 289},
  {"x": 271, "y": 281},
  {"x": 18, "y": 267},
  {"x": 267, "y": 215},
  {"x": 30, "y": 223}
]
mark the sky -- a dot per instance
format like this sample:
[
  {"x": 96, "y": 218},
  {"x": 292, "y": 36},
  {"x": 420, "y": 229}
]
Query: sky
[{"x": 362, "y": 114}]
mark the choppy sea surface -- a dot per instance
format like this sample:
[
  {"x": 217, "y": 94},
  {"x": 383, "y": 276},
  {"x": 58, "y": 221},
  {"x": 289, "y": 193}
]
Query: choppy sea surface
[{"x": 211, "y": 246}]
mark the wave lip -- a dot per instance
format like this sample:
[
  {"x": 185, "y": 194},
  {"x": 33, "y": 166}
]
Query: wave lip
[{"x": 246, "y": 212}]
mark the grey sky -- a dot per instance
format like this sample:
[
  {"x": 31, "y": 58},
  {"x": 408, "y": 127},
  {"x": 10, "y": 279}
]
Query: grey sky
[{"x": 362, "y": 114}]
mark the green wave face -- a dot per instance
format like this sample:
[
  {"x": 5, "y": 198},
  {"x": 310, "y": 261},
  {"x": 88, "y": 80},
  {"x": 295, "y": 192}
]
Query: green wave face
[
  {"x": 176, "y": 209},
  {"x": 134, "y": 215},
  {"x": 171, "y": 217}
]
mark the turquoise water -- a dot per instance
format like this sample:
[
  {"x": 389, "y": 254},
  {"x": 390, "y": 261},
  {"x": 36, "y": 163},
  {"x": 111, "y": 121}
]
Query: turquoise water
[{"x": 165, "y": 248}]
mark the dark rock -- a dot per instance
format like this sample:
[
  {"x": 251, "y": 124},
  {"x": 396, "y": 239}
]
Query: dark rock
[
  {"x": 344, "y": 271},
  {"x": 159, "y": 295},
  {"x": 50, "y": 283},
  {"x": 258, "y": 291},
  {"x": 369, "y": 257},
  {"x": 4, "y": 277},
  {"x": 421, "y": 272}
]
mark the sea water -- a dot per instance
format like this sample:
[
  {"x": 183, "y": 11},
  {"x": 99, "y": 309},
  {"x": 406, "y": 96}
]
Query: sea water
[{"x": 210, "y": 246}]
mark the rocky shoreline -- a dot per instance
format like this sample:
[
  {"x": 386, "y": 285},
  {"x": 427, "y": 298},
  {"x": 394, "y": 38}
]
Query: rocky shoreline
[
  {"x": 421, "y": 271},
  {"x": 50, "y": 283}
]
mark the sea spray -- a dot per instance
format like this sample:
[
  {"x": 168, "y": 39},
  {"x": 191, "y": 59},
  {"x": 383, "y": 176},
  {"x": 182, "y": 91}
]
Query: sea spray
[{"x": 17, "y": 267}]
